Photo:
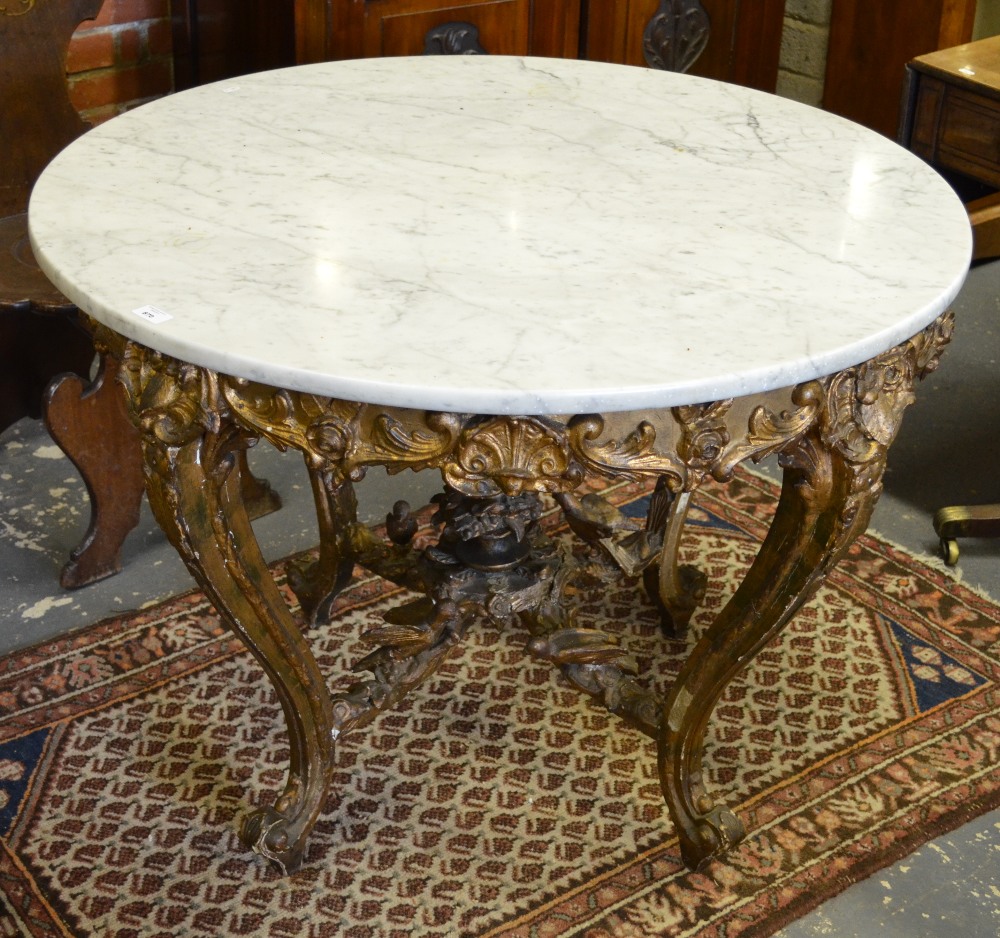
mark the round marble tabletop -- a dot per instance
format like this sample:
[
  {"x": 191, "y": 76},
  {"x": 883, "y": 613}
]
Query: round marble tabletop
[{"x": 500, "y": 235}]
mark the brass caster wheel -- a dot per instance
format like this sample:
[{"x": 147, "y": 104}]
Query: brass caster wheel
[{"x": 949, "y": 551}]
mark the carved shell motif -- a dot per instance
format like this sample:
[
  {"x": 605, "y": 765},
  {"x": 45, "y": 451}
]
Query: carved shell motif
[{"x": 512, "y": 455}]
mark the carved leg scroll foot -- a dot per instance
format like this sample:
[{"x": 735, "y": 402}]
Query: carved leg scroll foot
[
  {"x": 195, "y": 491},
  {"x": 826, "y": 501}
]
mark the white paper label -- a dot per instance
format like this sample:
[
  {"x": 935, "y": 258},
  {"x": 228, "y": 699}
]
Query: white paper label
[{"x": 152, "y": 314}]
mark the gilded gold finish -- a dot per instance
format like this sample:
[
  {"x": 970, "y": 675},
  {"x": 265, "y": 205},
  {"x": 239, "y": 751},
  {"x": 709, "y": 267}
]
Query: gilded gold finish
[
  {"x": 513, "y": 454},
  {"x": 492, "y": 560},
  {"x": 26, "y": 6}
]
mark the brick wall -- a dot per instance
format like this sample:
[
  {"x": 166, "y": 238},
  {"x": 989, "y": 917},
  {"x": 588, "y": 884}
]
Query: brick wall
[
  {"x": 804, "y": 41},
  {"x": 120, "y": 59}
]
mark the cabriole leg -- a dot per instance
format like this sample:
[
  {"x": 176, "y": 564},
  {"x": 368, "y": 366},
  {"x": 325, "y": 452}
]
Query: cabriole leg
[
  {"x": 826, "y": 501},
  {"x": 194, "y": 489}
]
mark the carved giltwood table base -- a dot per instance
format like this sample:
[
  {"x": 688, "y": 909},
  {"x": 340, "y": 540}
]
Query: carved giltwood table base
[{"x": 830, "y": 435}]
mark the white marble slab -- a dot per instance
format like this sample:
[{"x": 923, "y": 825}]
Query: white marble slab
[{"x": 475, "y": 233}]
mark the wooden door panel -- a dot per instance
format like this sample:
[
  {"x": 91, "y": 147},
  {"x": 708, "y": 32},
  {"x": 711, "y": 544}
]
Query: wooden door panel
[
  {"x": 743, "y": 45},
  {"x": 555, "y": 28},
  {"x": 870, "y": 44},
  {"x": 502, "y": 25},
  {"x": 215, "y": 39},
  {"x": 343, "y": 29}
]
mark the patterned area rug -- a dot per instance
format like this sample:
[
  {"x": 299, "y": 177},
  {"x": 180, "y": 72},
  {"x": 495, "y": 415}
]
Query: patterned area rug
[{"x": 497, "y": 801}]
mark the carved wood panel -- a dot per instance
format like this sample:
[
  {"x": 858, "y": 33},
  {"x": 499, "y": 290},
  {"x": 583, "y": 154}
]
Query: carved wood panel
[
  {"x": 340, "y": 29},
  {"x": 502, "y": 27},
  {"x": 742, "y": 45},
  {"x": 732, "y": 40}
]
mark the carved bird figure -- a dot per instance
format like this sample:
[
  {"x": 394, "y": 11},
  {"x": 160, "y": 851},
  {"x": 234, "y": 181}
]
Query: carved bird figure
[
  {"x": 582, "y": 646},
  {"x": 400, "y": 525},
  {"x": 593, "y": 518}
]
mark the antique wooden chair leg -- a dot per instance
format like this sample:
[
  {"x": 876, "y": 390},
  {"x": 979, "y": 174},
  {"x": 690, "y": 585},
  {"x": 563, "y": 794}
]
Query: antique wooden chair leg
[
  {"x": 34, "y": 347},
  {"x": 89, "y": 423},
  {"x": 826, "y": 501},
  {"x": 195, "y": 493},
  {"x": 675, "y": 589}
]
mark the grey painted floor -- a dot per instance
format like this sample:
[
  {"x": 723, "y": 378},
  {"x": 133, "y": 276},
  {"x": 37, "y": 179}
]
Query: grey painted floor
[{"x": 946, "y": 454}]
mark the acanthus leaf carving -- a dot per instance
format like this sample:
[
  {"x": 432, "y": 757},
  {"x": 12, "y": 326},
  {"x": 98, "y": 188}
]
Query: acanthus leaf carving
[
  {"x": 862, "y": 411},
  {"x": 631, "y": 458},
  {"x": 401, "y": 443},
  {"x": 173, "y": 401},
  {"x": 768, "y": 432},
  {"x": 865, "y": 403},
  {"x": 324, "y": 429}
]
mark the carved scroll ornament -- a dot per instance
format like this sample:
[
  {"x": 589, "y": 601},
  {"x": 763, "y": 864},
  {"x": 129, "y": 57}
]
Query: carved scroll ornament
[
  {"x": 832, "y": 442},
  {"x": 676, "y": 35},
  {"x": 175, "y": 402},
  {"x": 453, "y": 39},
  {"x": 858, "y": 410}
]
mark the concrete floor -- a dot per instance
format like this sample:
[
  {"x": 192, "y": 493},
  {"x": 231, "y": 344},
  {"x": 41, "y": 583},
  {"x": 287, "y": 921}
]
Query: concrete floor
[{"x": 946, "y": 454}]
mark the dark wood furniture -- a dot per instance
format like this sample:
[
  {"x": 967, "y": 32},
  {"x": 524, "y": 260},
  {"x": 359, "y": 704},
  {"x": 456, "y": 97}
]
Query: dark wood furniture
[
  {"x": 730, "y": 40},
  {"x": 45, "y": 354},
  {"x": 743, "y": 45},
  {"x": 215, "y": 39},
  {"x": 870, "y": 44},
  {"x": 40, "y": 339},
  {"x": 951, "y": 118},
  {"x": 335, "y": 29}
]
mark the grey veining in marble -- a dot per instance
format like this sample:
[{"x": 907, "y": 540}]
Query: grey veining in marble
[{"x": 502, "y": 235}]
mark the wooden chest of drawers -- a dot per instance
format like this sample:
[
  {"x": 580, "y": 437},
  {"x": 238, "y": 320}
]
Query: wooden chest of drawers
[{"x": 953, "y": 118}]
